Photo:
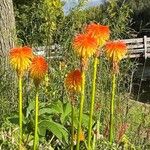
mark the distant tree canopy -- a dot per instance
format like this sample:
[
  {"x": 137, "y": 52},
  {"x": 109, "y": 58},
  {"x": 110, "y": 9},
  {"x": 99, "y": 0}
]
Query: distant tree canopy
[
  {"x": 141, "y": 16},
  {"x": 115, "y": 14},
  {"x": 36, "y": 20},
  {"x": 43, "y": 21}
]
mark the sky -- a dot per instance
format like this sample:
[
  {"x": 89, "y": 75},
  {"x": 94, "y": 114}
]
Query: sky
[{"x": 71, "y": 3}]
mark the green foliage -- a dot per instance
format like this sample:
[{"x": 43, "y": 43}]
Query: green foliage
[
  {"x": 57, "y": 129},
  {"x": 54, "y": 122},
  {"x": 140, "y": 15},
  {"x": 37, "y": 18},
  {"x": 116, "y": 15},
  {"x": 42, "y": 22}
]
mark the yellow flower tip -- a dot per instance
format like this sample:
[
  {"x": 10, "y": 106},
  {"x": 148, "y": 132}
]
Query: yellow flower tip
[
  {"x": 20, "y": 58},
  {"x": 81, "y": 136},
  {"x": 38, "y": 69},
  {"x": 100, "y": 32},
  {"x": 73, "y": 81},
  {"x": 115, "y": 50},
  {"x": 85, "y": 45}
]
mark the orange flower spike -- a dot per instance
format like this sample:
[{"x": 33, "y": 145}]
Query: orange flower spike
[
  {"x": 99, "y": 32},
  {"x": 85, "y": 45},
  {"x": 73, "y": 81},
  {"x": 116, "y": 50},
  {"x": 38, "y": 69},
  {"x": 20, "y": 59}
]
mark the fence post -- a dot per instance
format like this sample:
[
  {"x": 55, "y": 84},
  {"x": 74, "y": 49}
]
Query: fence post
[{"x": 145, "y": 47}]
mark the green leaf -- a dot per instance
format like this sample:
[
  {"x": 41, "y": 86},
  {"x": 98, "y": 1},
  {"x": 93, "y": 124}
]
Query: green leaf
[
  {"x": 47, "y": 111},
  {"x": 58, "y": 106},
  {"x": 66, "y": 112},
  {"x": 30, "y": 108},
  {"x": 67, "y": 108},
  {"x": 85, "y": 120},
  {"x": 57, "y": 129},
  {"x": 14, "y": 119}
]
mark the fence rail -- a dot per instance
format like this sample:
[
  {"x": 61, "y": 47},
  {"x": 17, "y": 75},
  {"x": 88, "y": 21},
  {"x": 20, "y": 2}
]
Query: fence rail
[{"x": 138, "y": 47}]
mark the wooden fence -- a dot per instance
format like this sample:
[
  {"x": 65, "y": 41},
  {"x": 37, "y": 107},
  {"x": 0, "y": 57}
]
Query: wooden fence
[{"x": 138, "y": 47}]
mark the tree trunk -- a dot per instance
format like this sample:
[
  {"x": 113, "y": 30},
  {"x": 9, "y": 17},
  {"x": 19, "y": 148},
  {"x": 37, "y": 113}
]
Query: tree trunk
[{"x": 7, "y": 27}]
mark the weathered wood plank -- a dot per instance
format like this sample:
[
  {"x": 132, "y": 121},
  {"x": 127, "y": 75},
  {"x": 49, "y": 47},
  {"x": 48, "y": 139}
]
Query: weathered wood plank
[
  {"x": 145, "y": 47},
  {"x": 139, "y": 47},
  {"x": 134, "y": 51},
  {"x": 137, "y": 40},
  {"x": 133, "y": 56},
  {"x": 132, "y": 46},
  {"x": 148, "y": 39},
  {"x": 148, "y": 45}
]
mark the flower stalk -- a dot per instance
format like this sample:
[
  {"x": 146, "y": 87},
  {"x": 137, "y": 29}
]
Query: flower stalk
[
  {"x": 72, "y": 127},
  {"x": 115, "y": 51},
  {"x": 92, "y": 102},
  {"x": 38, "y": 70},
  {"x": 81, "y": 109},
  {"x": 20, "y": 112},
  {"x": 111, "y": 132},
  {"x": 36, "y": 119}
]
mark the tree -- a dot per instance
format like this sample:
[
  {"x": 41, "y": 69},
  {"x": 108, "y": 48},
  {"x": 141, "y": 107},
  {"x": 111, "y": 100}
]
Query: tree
[
  {"x": 141, "y": 17},
  {"x": 37, "y": 21},
  {"x": 7, "y": 26}
]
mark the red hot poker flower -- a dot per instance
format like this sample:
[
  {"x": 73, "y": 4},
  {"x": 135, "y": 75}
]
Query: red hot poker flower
[
  {"x": 85, "y": 45},
  {"x": 99, "y": 32},
  {"x": 73, "y": 81},
  {"x": 38, "y": 69},
  {"x": 20, "y": 58},
  {"x": 116, "y": 50}
]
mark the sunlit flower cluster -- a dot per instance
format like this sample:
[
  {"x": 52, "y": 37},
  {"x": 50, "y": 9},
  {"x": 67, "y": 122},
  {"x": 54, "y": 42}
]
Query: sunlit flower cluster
[
  {"x": 95, "y": 36},
  {"x": 73, "y": 81},
  {"x": 116, "y": 50},
  {"x": 100, "y": 32},
  {"x": 38, "y": 69},
  {"x": 84, "y": 45},
  {"x": 20, "y": 59}
]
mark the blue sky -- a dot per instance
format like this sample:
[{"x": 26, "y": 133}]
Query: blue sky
[
  {"x": 71, "y": 3},
  {"x": 94, "y": 2}
]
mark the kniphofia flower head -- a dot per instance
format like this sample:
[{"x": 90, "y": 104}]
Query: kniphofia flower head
[
  {"x": 20, "y": 59},
  {"x": 73, "y": 81},
  {"x": 100, "y": 32},
  {"x": 115, "y": 50},
  {"x": 38, "y": 69},
  {"x": 84, "y": 45}
]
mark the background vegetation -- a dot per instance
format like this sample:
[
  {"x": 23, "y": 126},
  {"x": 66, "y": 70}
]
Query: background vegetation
[{"x": 43, "y": 23}]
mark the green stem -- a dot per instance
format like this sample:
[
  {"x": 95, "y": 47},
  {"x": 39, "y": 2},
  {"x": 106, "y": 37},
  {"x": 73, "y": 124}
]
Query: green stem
[
  {"x": 97, "y": 132},
  {"x": 111, "y": 136},
  {"x": 36, "y": 120},
  {"x": 72, "y": 127},
  {"x": 20, "y": 112},
  {"x": 81, "y": 109},
  {"x": 92, "y": 103}
]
